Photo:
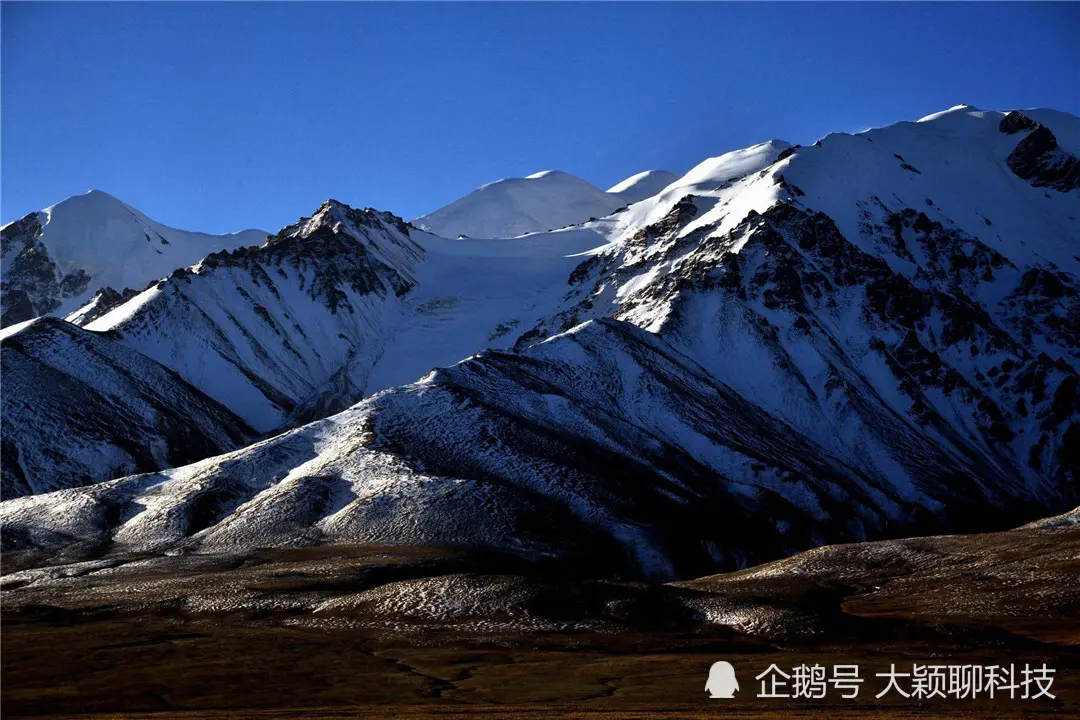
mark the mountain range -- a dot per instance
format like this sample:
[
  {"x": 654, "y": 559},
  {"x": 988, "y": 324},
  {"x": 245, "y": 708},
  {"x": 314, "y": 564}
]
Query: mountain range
[{"x": 871, "y": 336}]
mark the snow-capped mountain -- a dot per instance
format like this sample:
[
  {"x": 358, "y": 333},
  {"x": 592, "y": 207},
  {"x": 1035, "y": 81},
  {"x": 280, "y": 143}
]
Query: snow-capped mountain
[
  {"x": 904, "y": 281},
  {"x": 282, "y": 330},
  {"x": 516, "y": 206},
  {"x": 643, "y": 185},
  {"x": 276, "y": 334},
  {"x": 870, "y": 336},
  {"x": 354, "y": 302},
  {"x": 543, "y": 201},
  {"x": 80, "y": 407},
  {"x": 333, "y": 308},
  {"x": 55, "y": 260}
]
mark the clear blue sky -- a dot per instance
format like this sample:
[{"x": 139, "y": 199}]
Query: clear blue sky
[{"x": 217, "y": 117}]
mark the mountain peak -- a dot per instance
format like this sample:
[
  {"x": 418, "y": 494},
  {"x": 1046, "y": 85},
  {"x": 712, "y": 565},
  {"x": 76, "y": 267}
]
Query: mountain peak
[
  {"x": 331, "y": 210},
  {"x": 897, "y": 296},
  {"x": 961, "y": 109},
  {"x": 549, "y": 173},
  {"x": 97, "y": 203},
  {"x": 335, "y": 205},
  {"x": 56, "y": 260},
  {"x": 95, "y": 192},
  {"x": 545, "y": 200},
  {"x": 774, "y": 143},
  {"x": 644, "y": 184},
  {"x": 336, "y": 214}
]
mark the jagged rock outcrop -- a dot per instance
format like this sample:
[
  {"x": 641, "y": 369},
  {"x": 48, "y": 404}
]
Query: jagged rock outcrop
[
  {"x": 1037, "y": 157},
  {"x": 33, "y": 284}
]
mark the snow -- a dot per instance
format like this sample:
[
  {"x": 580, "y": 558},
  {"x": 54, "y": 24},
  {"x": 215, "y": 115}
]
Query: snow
[
  {"x": 609, "y": 386},
  {"x": 251, "y": 331},
  {"x": 963, "y": 154},
  {"x": 79, "y": 315},
  {"x": 122, "y": 313},
  {"x": 708, "y": 179},
  {"x": 508, "y": 208},
  {"x": 1066, "y": 127},
  {"x": 955, "y": 109},
  {"x": 81, "y": 407},
  {"x": 474, "y": 294},
  {"x": 643, "y": 185},
  {"x": 16, "y": 328}
]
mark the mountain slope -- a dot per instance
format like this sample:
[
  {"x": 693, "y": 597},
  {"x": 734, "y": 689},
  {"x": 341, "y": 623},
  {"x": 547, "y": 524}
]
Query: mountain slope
[
  {"x": 643, "y": 185},
  {"x": 248, "y": 330},
  {"x": 603, "y": 444},
  {"x": 473, "y": 293},
  {"x": 289, "y": 327},
  {"x": 79, "y": 407},
  {"x": 602, "y": 441},
  {"x": 57, "y": 259},
  {"x": 867, "y": 301},
  {"x": 515, "y": 206}
]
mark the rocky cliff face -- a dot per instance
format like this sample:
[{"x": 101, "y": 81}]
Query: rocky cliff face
[
  {"x": 1037, "y": 157},
  {"x": 33, "y": 284},
  {"x": 912, "y": 327}
]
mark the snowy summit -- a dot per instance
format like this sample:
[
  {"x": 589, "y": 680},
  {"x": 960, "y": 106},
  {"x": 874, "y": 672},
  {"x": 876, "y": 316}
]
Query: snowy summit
[
  {"x": 542, "y": 201},
  {"x": 57, "y": 259}
]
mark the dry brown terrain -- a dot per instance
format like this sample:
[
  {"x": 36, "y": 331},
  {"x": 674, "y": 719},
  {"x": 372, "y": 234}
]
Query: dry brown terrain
[{"x": 377, "y": 632}]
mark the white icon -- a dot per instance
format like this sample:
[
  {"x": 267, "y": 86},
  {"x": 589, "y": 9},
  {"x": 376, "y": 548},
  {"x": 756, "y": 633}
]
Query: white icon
[{"x": 722, "y": 682}]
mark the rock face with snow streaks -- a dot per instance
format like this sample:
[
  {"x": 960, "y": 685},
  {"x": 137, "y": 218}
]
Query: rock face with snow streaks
[
  {"x": 288, "y": 326},
  {"x": 79, "y": 408},
  {"x": 1037, "y": 157}
]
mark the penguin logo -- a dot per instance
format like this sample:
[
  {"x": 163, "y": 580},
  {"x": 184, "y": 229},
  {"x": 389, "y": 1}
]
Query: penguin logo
[{"x": 722, "y": 682}]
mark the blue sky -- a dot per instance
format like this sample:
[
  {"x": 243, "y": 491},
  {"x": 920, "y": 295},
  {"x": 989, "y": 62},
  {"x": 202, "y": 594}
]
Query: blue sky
[{"x": 217, "y": 117}]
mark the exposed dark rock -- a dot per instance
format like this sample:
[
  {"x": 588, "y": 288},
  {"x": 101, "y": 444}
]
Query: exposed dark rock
[
  {"x": 787, "y": 152},
  {"x": 1038, "y": 159},
  {"x": 105, "y": 300},
  {"x": 1015, "y": 122},
  {"x": 33, "y": 284}
]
